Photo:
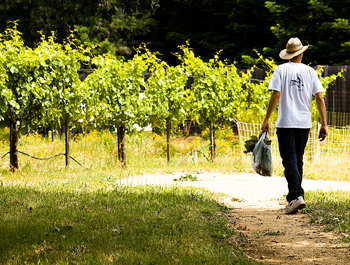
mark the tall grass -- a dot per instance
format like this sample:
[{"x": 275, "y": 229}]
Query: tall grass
[{"x": 146, "y": 152}]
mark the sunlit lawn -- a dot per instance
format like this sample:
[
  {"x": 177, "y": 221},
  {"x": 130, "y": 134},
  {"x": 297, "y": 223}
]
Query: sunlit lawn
[
  {"x": 64, "y": 224},
  {"x": 50, "y": 214}
]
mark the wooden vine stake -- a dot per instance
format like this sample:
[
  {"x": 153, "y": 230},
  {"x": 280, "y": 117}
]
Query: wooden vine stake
[
  {"x": 13, "y": 146},
  {"x": 212, "y": 142},
  {"x": 168, "y": 128},
  {"x": 121, "y": 145}
]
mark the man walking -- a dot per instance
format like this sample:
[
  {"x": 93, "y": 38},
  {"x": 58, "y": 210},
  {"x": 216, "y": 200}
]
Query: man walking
[{"x": 293, "y": 84}]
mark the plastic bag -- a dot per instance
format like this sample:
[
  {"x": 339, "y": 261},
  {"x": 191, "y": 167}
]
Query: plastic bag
[{"x": 262, "y": 156}]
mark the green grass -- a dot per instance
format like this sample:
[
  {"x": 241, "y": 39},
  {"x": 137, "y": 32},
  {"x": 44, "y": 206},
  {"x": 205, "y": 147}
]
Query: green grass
[
  {"x": 68, "y": 224},
  {"x": 331, "y": 209},
  {"x": 50, "y": 214}
]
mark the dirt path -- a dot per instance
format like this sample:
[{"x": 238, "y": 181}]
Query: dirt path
[
  {"x": 276, "y": 238},
  {"x": 258, "y": 213}
]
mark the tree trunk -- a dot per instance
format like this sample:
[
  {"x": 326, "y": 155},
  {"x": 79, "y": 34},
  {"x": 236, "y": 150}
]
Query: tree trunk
[
  {"x": 66, "y": 131},
  {"x": 13, "y": 146},
  {"x": 168, "y": 128},
  {"x": 121, "y": 145},
  {"x": 212, "y": 142}
]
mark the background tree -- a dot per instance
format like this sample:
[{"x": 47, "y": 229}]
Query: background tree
[
  {"x": 321, "y": 23},
  {"x": 248, "y": 29},
  {"x": 234, "y": 27},
  {"x": 201, "y": 22},
  {"x": 114, "y": 24}
]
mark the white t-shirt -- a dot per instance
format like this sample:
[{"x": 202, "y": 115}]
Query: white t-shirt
[{"x": 297, "y": 83}]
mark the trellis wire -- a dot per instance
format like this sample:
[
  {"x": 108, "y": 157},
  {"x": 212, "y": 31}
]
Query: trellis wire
[
  {"x": 45, "y": 158},
  {"x": 195, "y": 154}
]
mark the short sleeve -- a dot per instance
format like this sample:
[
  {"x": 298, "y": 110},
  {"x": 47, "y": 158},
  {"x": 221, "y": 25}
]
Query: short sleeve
[
  {"x": 316, "y": 85},
  {"x": 275, "y": 82}
]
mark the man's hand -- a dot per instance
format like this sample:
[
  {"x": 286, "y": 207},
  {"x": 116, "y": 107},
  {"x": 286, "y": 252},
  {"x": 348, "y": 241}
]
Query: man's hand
[
  {"x": 265, "y": 126},
  {"x": 323, "y": 116},
  {"x": 323, "y": 133}
]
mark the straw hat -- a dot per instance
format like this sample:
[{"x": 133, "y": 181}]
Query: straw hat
[{"x": 294, "y": 47}]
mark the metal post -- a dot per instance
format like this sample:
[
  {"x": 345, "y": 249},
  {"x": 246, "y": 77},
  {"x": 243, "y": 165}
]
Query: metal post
[
  {"x": 195, "y": 156},
  {"x": 333, "y": 109},
  {"x": 67, "y": 142},
  {"x": 168, "y": 128}
]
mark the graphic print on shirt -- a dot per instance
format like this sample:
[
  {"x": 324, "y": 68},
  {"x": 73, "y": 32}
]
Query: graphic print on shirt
[{"x": 298, "y": 83}]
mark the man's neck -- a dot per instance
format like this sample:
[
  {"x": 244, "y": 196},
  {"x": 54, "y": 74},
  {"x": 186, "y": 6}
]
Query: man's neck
[{"x": 297, "y": 59}]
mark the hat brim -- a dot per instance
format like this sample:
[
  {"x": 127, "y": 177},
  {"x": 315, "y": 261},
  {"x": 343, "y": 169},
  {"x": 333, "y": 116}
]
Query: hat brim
[{"x": 287, "y": 56}]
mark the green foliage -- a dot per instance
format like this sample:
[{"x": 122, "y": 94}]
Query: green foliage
[
  {"x": 114, "y": 93},
  {"x": 216, "y": 94},
  {"x": 4, "y": 134},
  {"x": 231, "y": 26},
  {"x": 165, "y": 98},
  {"x": 39, "y": 86},
  {"x": 250, "y": 144},
  {"x": 117, "y": 34},
  {"x": 325, "y": 81}
]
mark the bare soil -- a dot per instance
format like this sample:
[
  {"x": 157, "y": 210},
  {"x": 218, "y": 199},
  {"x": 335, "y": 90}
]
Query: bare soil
[
  {"x": 257, "y": 204},
  {"x": 276, "y": 238}
]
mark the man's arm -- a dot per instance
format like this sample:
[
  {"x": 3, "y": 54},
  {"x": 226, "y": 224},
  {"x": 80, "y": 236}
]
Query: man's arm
[
  {"x": 323, "y": 116},
  {"x": 274, "y": 99}
]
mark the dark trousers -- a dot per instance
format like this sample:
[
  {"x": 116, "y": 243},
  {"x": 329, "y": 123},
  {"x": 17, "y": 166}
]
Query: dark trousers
[{"x": 292, "y": 143}]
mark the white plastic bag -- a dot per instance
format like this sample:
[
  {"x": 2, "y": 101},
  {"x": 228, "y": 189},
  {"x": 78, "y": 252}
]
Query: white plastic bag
[{"x": 262, "y": 157}]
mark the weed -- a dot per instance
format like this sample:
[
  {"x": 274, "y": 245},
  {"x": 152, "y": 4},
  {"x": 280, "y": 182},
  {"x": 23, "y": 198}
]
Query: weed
[
  {"x": 268, "y": 233},
  {"x": 234, "y": 199},
  {"x": 187, "y": 177}
]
